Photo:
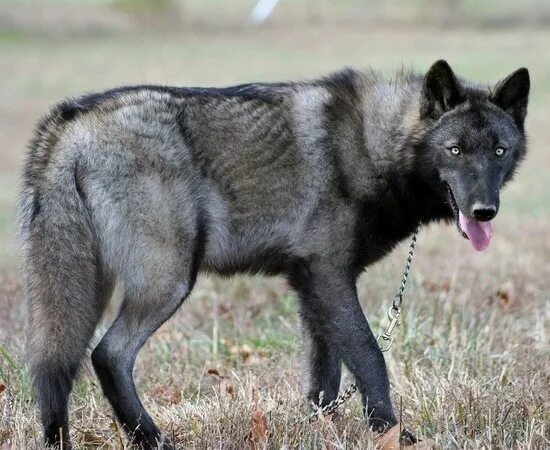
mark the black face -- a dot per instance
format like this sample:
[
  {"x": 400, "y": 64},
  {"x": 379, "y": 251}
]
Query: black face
[
  {"x": 475, "y": 143},
  {"x": 477, "y": 150}
]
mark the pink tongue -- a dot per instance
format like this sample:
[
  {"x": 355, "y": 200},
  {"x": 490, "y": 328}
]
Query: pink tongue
[{"x": 479, "y": 233}]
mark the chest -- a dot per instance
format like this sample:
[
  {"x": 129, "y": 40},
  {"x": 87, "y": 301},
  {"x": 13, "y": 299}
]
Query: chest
[{"x": 381, "y": 225}]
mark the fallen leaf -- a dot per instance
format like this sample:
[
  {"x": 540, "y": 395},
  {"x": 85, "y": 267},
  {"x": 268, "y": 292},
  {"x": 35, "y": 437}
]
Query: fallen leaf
[
  {"x": 434, "y": 286},
  {"x": 244, "y": 351},
  {"x": 258, "y": 428},
  {"x": 227, "y": 387},
  {"x": 168, "y": 393},
  {"x": 223, "y": 309},
  {"x": 224, "y": 384},
  {"x": 2, "y": 388},
  {"x": 4, "y": 436},
  {"x": 90, "y": 438},
  {"x": 213, "y": 372},
  {"x": 506, "y": 296},
  {"x": 248, "y": 354}
]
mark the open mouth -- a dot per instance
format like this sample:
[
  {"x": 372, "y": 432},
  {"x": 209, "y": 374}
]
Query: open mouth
[{"x": 477, "y": 232}]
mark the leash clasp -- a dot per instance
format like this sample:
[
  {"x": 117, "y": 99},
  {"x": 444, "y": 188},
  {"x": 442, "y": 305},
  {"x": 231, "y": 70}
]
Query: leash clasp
[{"x": 385, "y": 339}]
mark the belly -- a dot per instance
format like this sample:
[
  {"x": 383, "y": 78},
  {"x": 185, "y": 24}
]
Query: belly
[{"x": 251, "y": 248}]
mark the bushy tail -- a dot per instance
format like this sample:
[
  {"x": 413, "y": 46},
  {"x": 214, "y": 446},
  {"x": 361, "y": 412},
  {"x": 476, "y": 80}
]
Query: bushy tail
[{"x": 61, "y": 284}]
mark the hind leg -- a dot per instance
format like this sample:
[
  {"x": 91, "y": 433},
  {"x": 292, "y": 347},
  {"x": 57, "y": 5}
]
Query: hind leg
[
  {"x": 152, "y": 239},
  {"x": 144, "y": 309},
  {"x": 115, "y": 356}
]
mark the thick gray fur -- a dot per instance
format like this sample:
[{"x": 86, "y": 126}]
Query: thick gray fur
[{"x": 147, "y": 186}]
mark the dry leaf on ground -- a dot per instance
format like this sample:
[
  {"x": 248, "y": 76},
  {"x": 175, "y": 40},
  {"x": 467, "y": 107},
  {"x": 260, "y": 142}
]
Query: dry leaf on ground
[{"x": 258, "y": 428}]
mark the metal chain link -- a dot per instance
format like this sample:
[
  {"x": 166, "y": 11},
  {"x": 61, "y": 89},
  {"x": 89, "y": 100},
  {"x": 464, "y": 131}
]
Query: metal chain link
[
  {"x": 393, "y": 314},
  {"x": 329, "y": 408},
  {"x": 398, "y": 298},
  {"x": 385, "y": 339}
]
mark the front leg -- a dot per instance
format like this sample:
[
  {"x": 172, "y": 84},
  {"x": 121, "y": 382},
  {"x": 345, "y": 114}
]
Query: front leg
[
  {"x": 330, "y": 305},
  {"x": 322, "y": 366}
]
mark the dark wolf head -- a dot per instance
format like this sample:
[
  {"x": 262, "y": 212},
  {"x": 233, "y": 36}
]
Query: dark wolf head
[{"x": 474, "y": 140}]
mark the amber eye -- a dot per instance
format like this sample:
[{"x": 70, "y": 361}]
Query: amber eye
[
  {"x": 500, "y": 151},
  {"x": 455, "y": 150}
]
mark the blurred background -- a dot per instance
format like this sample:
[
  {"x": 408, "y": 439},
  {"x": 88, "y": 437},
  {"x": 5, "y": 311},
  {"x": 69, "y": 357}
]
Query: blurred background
[
  {"x": 52, "y": 49},
  {"x": 471, "y": 366}
]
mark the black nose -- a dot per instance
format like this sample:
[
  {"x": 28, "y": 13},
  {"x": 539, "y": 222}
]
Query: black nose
[{"x": 483, "y": 213}]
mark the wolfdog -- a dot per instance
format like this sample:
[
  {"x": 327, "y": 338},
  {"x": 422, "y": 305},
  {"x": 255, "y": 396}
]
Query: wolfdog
[{"x": 150, "y": 185}]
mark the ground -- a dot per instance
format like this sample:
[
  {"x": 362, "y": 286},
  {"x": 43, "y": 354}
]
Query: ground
[{"x": 471, "y": 363}]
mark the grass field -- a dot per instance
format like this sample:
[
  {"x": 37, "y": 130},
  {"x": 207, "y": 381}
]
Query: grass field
[{"x": 471, "y": 365}]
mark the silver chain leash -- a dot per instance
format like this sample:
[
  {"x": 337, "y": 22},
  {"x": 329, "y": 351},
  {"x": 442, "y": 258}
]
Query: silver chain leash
[
  {"x": 384, "y": 339},
  {"x": 329, "y": 408}
]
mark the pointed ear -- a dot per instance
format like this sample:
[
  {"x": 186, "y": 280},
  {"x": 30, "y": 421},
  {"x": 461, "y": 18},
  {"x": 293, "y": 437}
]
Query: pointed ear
[
  {"x": 441, "y": 91},
  {"x": 512, "y": 94}
]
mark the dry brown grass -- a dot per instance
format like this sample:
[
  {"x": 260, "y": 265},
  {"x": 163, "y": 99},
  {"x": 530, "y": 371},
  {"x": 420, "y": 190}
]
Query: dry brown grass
[{"x": 471, "y": 365}]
